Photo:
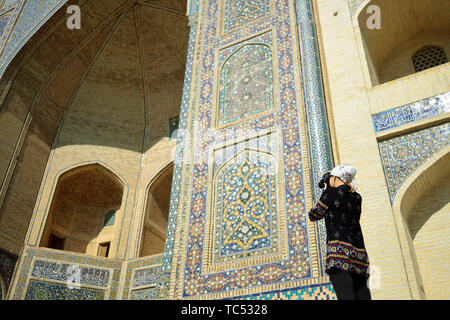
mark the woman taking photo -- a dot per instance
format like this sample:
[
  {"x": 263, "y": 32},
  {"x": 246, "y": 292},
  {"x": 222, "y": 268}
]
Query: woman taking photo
[{"x": 347, "y": 261}]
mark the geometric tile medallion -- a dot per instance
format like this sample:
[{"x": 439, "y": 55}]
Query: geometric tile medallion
[
  {"x": 245, "y": 207},
  {"x": 402, "y": 155},
  {"x": 240, "y": 12},
  {"x": 245, "y": 82}
]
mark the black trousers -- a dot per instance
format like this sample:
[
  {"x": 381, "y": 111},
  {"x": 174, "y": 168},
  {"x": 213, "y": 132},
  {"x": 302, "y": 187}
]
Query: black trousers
[{"x": 350, "y": 286}]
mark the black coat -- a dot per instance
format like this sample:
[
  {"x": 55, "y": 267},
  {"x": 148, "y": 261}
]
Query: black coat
[{"x": 341, "y": 209}]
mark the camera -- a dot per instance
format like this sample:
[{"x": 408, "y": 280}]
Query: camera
[{"x": 325, "y": 179}]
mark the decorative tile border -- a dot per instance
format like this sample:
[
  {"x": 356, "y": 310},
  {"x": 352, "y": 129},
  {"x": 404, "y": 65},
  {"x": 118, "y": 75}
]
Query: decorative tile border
[
  {"x": 402, "y": 155},
  {"x": 322, "y": 291},
  {"x": 412, "y": 112},
  {"x": 179, "y": 164},
  {"x": 143, "y": 274},
  {"x": 51, "y": 270},
  {"x": 316, "y": 114}
]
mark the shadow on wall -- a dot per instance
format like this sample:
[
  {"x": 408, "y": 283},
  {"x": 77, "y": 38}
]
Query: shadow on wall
[
  {"x": 406, "y": 28},
  {"x": 80, "y": 217}
]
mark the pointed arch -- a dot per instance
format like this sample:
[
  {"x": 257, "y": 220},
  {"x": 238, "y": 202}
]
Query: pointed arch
[
  {"x": 404, "y": 28},
  {"x": 411, "y": 195},
  {"x": 82, "y": 198}
]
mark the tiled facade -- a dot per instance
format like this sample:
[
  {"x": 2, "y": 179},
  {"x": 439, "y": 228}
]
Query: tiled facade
[
  {"x": 254, "y": 139},
  {"x": 402, "y": 155}
]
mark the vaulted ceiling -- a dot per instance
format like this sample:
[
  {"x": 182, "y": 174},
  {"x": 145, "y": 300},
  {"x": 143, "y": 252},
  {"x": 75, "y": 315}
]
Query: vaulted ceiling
[{"x": 114, "y": 83}]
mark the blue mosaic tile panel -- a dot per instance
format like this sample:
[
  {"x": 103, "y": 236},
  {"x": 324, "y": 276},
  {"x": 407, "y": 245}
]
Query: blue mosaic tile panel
[
  {"x": 39, "y": 290},
  {"x": 241, "y": 12},
  {"x": 246, "y": 83},
  {"x": 416, "y": 111},
  {"x": 402, "y": 155},
  {"x": 246, "y": 202},
  {"x": 60, "y": 271},
  {"x": 147, "y": 276}
]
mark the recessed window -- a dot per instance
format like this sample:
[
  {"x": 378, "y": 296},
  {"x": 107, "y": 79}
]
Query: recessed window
[
  {"x": 110, "y": 217},
  {"x": 103, "y": 249},
  {"x": 428, "y": 57},
  {"x": 173, "y": 127},
  {"x": 56, "y": 242}
]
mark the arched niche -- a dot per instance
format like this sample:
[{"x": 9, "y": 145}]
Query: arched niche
[
  {"x": 82, "y": 209},
  {"x": 405, "y": 27},
  {"x": 422, "y": 209},
  {"x": 154, "y": 229}
]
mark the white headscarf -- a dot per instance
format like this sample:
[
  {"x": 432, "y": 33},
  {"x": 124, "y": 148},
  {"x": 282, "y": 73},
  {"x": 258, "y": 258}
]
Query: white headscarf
[{"x": 346, "y": 173}]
